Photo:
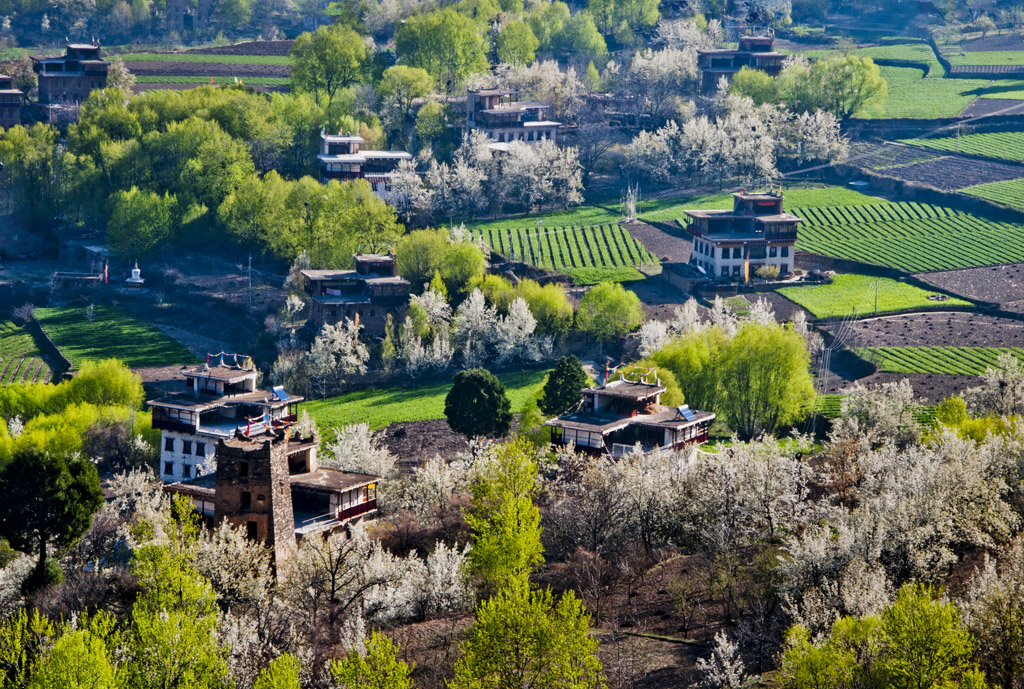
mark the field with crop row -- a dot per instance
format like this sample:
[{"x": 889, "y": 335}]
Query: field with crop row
[
  {"x": 914, "y": 237},
  {"x": 255, "y": 81},
  {"x": 1001, "y": 145},
  {"x": 111, "y": 333},
  {"x": 385, "y": 406},
  {"x": 572, "y": 249},
  {"x": 912, "y": 94},
  {"x": 985, "y": 57},
  {"x": 208, "y": 58},
  {"x": 1010, "y": 192},
  {"x": 855, "y": 295},
  {"x": 968, "y": 361},
  {"x": 20, "y": 361}
]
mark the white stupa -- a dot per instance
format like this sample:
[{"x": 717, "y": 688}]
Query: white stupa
[{"x": 136, "y": 281}]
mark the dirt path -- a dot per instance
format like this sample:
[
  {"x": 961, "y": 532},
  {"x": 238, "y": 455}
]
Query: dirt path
[
  {"x": 665, "y": 246},
  {"x": 199, "y": 345}
]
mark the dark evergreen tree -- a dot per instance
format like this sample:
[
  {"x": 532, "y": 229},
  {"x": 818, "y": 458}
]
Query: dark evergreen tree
[
  {"x": 477, "y": 405},
  {"x": 562, "y": 389}
]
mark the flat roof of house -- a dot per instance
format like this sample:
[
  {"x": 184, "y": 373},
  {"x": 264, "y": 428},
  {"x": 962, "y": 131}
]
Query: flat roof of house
[
  {"x": 364, "y": 156},
  {"x": 10, "y": 92},
  {"x": 203, "y": 402},
  {"x": 339, "y": 138},
  {"x": 627, "y": 389},
  {"x": 332, "y": 480},
  {"x": 316, "y": 275},
  {"x": 517, "y": 106},
  {"x": 226, "y": 373},
  {"x": 491, "y": 92},
  {"x": 204, "y": 487},
  {"x": 605, "y": 423},
  {"x": 375, "y": 257},
  {"x": 728, "y": 214}
]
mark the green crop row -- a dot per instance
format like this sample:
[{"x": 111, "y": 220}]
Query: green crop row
[
  {"x": 209, "y": 59},
  {"x": 255, "y": 81},
  {"x": 968, "y": 361},
  {"x": 1009, "y": 192},
  {"x": 1001, "y": 145},
  {"x": 914, "y": 237},
  {"x": 860, "y": 295},
  {"x": 20, "y": 361},
  {"x": 569, "y": 249},
  {"x": 981, "y": 58}
]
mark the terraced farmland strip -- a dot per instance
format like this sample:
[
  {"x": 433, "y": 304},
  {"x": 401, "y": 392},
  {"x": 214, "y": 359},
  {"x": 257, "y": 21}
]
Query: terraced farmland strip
[
  {"x": 208, "y": 58},
  {"x": 970, "y": 361},
  {"x": 20, "y": 361},
  {"x": 174, "y": 79}
]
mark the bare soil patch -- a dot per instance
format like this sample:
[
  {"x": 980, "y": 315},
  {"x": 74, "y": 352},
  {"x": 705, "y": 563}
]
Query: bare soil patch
[
  {"x": 414, "y": 442},
  {"x": 988, "y": 106},
  {"x": 278, "y": 48},
  {"x": 930, "y": 388},
  {"x": 1005, "y": 41},
  {"x": 660, "y": 243},
  {"x": 950, "y": 173},
  {"x": 878, "y": 156},
  {"x": 1003, "y": 284},
  {"x": 936, "y": 329}
]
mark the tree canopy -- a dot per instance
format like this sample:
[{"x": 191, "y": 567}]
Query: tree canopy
[{"x": 477, "y": 405}]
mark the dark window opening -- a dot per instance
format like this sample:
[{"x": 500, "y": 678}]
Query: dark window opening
[
  {"x": 169, "y": 444},
  {"x": 250, "y": 530},
  {"x": 243, "y": 468},
  {"x": 246, "y": 498},
  {"x": 169, "y": 468}
]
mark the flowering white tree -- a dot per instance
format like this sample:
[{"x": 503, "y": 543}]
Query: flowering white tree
[
  {"x": 356, "y": 448},
  {"x": 1002, "y": 389},
  {"x": 337, "y": 352},
  {"x": 514, "y": 336},
  {"x": 655, "y": 79},
  {"x": 475, "y": 329},
  {"x": 724, "y": 668},
  {"x": 546, "y": 82}
]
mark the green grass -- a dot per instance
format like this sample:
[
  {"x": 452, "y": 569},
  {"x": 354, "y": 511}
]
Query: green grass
[
  {"x": 911, "y": 95},
  {"x": 1009, "y": 192},
  {"x": 588, "y": 254},
  {"x": 903, "y": 52},
  {"x": 849, "y": 294},
  {"x": 20, "y": 361},
  {"x": 256, "y": 81},
  {"x": 915, "y": 237},
  {"x": 1009, "y": 89},
  {"x": 967, "y": 361},
  {"x": 111, "y": 334},
  {"x": 577, "y": 216},
  {"x": 672, "y": 209},
  {"x": 385, "y": 406},
  {"x": 209, "y": 59},
  {"x": 1001, "y": 145},
  {"x": 986, "y": 57}
]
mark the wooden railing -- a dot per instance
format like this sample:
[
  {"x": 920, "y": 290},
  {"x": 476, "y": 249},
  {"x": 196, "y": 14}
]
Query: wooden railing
[{"x": 357, "y": 510}]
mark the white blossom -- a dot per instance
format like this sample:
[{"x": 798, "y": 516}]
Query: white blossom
[{"x": 356, "y": 448}]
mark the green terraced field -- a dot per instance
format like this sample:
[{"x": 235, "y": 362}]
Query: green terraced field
[
  {"x": 208, "y": 58},
  {"x": 903, "y": 52},
  {"x": 968, "y": 361},
  {"x": 384, "y": 406},
  {"x": 912, "y": 95},
  {"x": 855, "y": 295},
  {"x": 255, "y": 81},
  {"x": 112, "y": 333},
  {"x": 587, "y": 254},
  {"x": 915, "y": 237},
  {"x": 20, "y": 361},
  {"x": 672, "y": 209},
  {"x": 1001, "y": 145},
  {"x": 985, "y": 57},
  {"x": 1010, "y": 192}
]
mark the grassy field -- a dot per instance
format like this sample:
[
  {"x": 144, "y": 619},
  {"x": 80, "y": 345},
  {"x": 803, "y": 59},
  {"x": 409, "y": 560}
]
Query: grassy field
[
  {"x": 112, "y": 333},
  {"x": 208, "y": 58},
  {"x": 904, "y": 52},
  {"x": 986, "y": 57},
  {"x": 20, "y": 361},
  {"x": 255, "y": 81},
  {"x": 672, "y": 209},
  {"x": 912, "y": 95},
  {"x": 385, "y": 406},
  {"x": 1010, "y": 192},
  {"x": 1001, "y": 145},
  {"x": 1009, "y": 89},
  {"x": 587, "y": 254},
  {"x": 915, "y": 237},
  {"x": 968, "y": 361},
  {"x": 855, "y": 294},
  {"x": 578, "y": 216}
]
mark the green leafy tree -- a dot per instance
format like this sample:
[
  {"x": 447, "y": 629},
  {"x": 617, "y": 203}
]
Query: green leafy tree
[
  {"x": 460, "y": 265},
  {"x": 765, "y": 379},
  {"x": 549, "y": 304},
  {"x": 283, "y": 673},
  {"x": 523, "y": 638},
  {"x": 379, "y": 668},
  {"x": 430, "y": 122},
  {"x": 446, "y": 44},
  {"x": 327, "y": 60},
  {"x": 755, "y": 84},
  {"x": 563, "y": 386},
  {"x": 24, "y": 637},
  {"x": 516, "y": 44},
  {"x": 420, "y": 254},
  {"x": 592, "y": 78},
  {"x": 140, "y": 222},
  {"x": 388, "y": 349},
  {"x": 608, "y": 312},
  {"x": 503, "y": 518},
  {"x": 28, "y": 156},
  {"x": 840, "y": 84},
  {"x": 926, "y": 644},
  {"x": 437, "y": 285},
  {"x": 695, "y": 359},
  {"x": 106, "y": 383},
  {"x": 79, "y": 659},
  {"x": 404, "y": 84},
  {"x": 57, "y": 497},
  {"x": 580, "y": 37},
  {"x": 477, "y": 405}
]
